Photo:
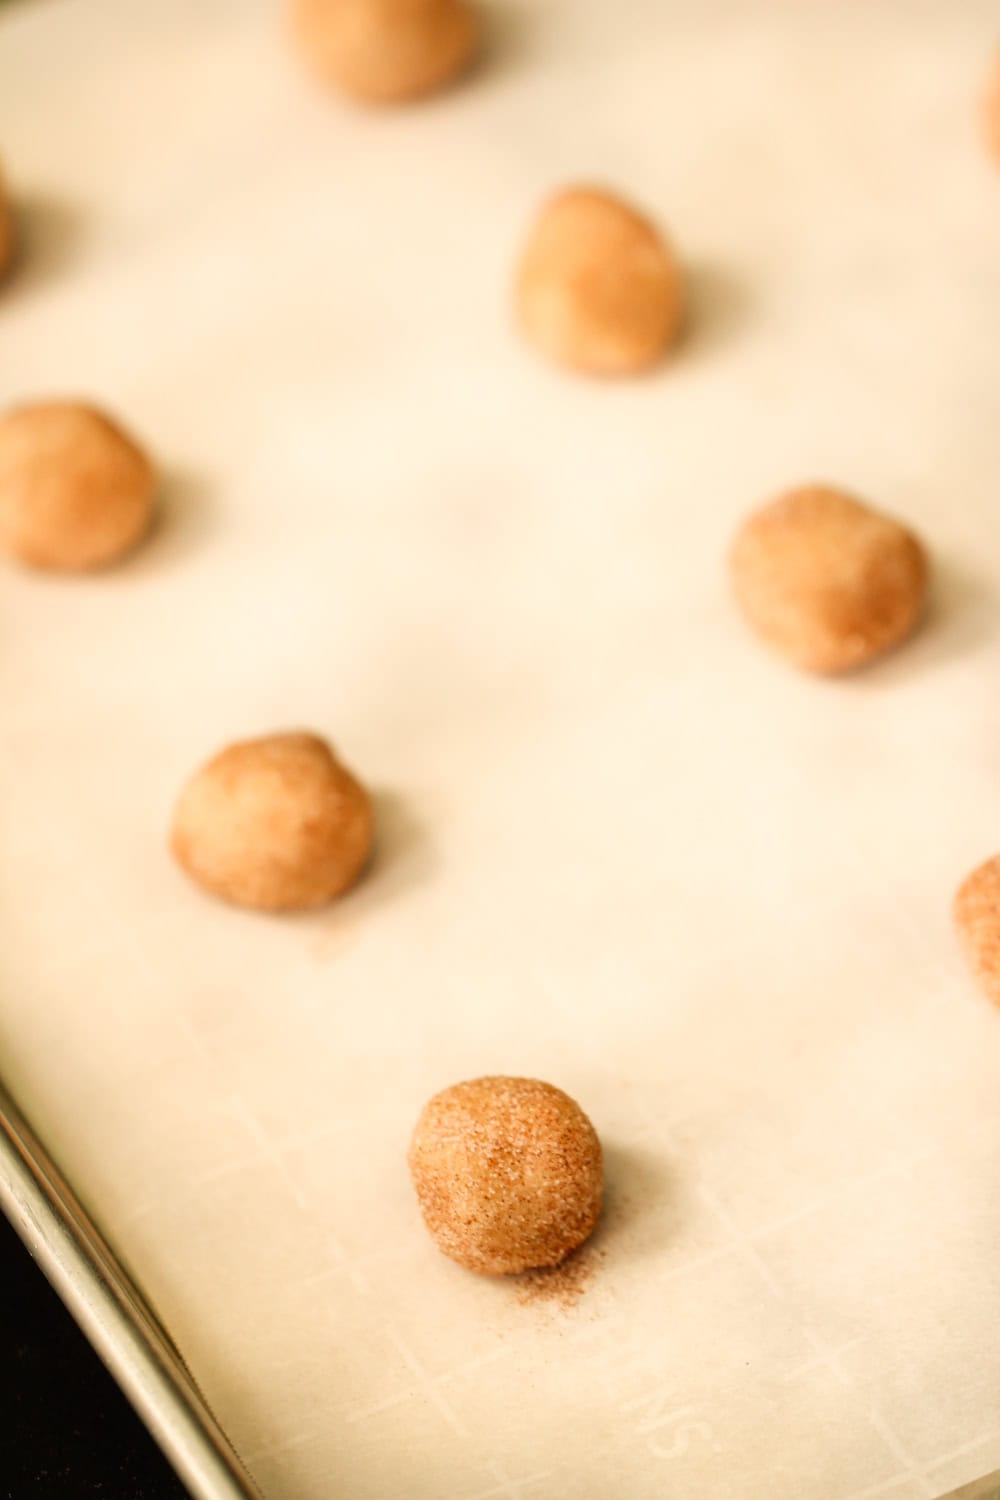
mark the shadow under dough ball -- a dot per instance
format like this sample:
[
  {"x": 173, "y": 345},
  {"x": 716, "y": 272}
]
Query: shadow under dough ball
[
  {"x": 599, "y": 289},
  {"x": 277, "y": 824},
  {"x": 508, "y": 1173},
  {"x": 826, "y": 580},
  {"x": 977, "y": 918},
  {"x": 76, "y": 493},
  {"x": 386, "y": 51}
]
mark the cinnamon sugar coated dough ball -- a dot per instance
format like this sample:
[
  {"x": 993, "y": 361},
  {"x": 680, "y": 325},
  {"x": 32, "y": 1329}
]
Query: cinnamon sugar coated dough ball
[
  {"x": 598, "y": 289},
  {"x": 508, "y": 1173},
  {"x": 6, "y": 229},
  {"x": 277, "y": 824},
  {"x": 826, "y": 580},
  {"x": 977, "y": 917},
  {"x": 76, "y": 493},
  {"x": 386, "y": 51},
  {"x": 991, "y": 111}
]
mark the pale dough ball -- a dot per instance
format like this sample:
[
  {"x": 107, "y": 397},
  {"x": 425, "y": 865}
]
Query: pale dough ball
[
  {"x": 598, "y": 289},
  {"x": 385, "y": 51},
  {"x": 6, "y": 229},
  {"x": 508, "y": 1173},
  {"x": 991, "y": 111},
  {"x": 977, "y": 917},
  {"x": 277, "y": 824},
  {"x": 826, "y": 580},
  {"x": 75, "y": 492}
]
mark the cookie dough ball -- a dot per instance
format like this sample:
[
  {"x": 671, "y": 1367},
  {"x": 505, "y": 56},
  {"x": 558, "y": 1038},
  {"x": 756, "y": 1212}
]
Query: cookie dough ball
[
  {"x": 277, "y": 824},
  {"x": 826, "y": 580},
  {"x": 991, "y": 111},
  {"x": 599, "y": 289},
  {"x": 508, "y": 1172},
  {"x": 386, "y": 51},
  {"x": 6, "y": 228},
  {"x": 977, "y": 918},
  {"x": 76, "y": 493}
]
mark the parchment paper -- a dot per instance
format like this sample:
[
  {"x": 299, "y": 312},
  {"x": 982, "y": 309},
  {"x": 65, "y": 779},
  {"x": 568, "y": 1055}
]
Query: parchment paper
[{"x": 621, "y": 847}]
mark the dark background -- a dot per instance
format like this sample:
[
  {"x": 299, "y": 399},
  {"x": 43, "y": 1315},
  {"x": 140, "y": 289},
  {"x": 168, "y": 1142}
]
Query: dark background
[{"x": 66, "y": 1430}]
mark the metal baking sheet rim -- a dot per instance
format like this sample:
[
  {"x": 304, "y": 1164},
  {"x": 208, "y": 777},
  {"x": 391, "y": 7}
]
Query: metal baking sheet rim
[{"x": 113, "y": 1312}]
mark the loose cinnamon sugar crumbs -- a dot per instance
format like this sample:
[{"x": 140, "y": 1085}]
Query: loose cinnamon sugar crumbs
[
  {"x": 508, "y": 1173},
  {"x": 563, "y": 1284}
]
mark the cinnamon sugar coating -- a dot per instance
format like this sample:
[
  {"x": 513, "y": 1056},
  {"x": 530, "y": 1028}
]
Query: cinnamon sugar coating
[
  {"x": 977, "y": 918},
  {"x": 599, "y": 288},
  {"x": 826, "y": 580},
  {"x": 386, "y": 51},
  {"x": 6, "y": 229},
  {"x": 76, "y": 492},
  {"x": 508, "y": 1173},
  {"x": 991, "y": 111},
  {"x": 277, "y": 824}
]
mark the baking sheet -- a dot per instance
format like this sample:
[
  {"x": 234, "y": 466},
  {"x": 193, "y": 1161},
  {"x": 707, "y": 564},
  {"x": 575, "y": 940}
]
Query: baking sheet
[{"x": 621, "y": 848}]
